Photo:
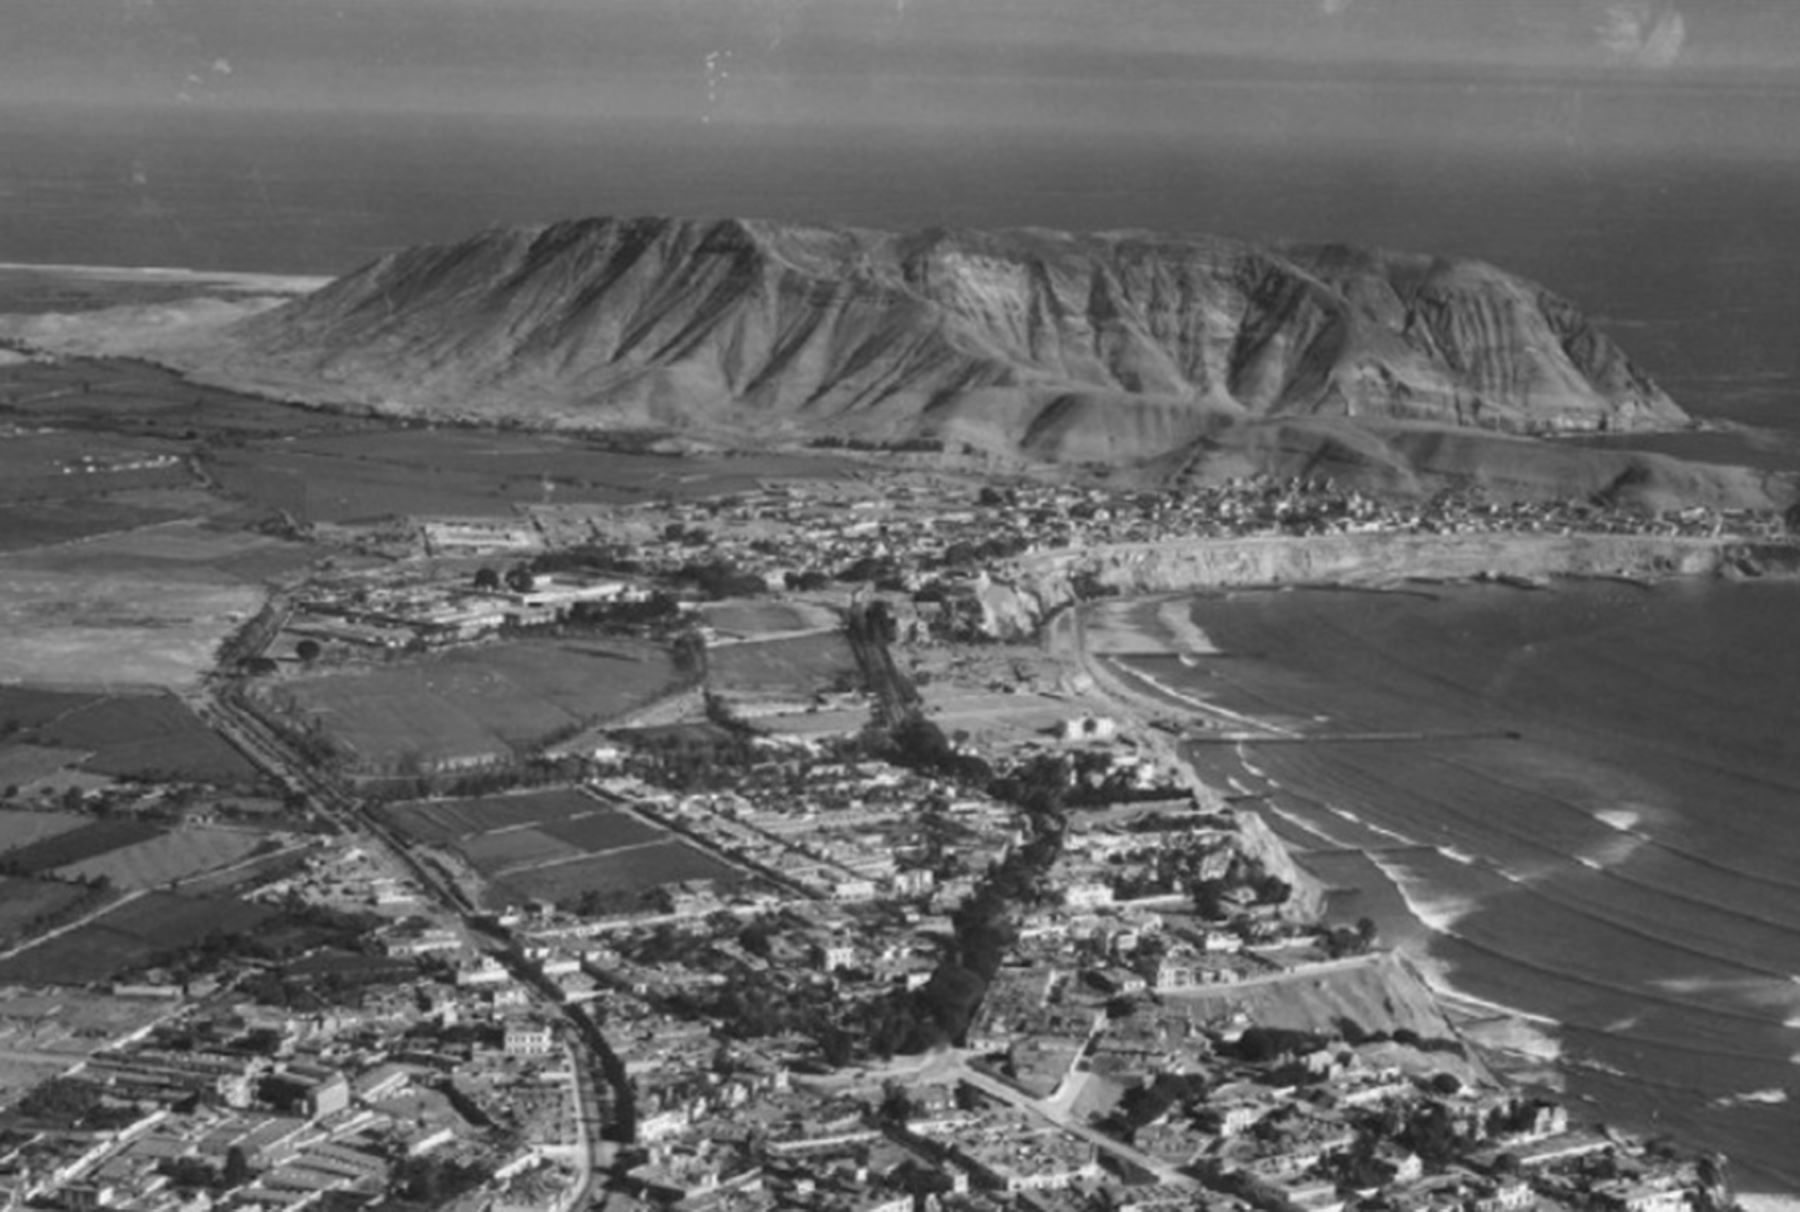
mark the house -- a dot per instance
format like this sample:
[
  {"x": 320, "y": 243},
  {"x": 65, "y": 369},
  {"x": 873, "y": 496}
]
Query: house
[{"x": 527, "y": 1038}]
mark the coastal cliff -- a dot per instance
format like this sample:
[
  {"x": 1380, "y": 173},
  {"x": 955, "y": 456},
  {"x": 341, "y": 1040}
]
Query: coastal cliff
[{"x": 1016, "y": 602}]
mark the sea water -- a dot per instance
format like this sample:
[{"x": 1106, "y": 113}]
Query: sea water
[
  {"x": 1595, "y": 819},
  {"x": 1694, "y": 265}
]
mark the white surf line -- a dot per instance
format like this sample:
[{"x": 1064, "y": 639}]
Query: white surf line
[{"x": 1248, "y": 722}]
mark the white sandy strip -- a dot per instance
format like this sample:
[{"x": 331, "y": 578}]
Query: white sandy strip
[
  {"x": 1246, "y": 722},
  {"x": 258, "y": 283}
]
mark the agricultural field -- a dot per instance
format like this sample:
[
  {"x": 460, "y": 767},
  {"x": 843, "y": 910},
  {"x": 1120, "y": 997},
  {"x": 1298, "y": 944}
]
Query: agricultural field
[
  {"x": 762, "y": 616},
  {"x": 127, "y": 939},
  {"x": 800, "y": 666},
  {"x": 406, "y": 471},
  {"x": 133, "y": 736},
  {"x": 169, "y": 858},
  {"x": 475, "y": 704},
  {"x": 135, "y": 397},
  {"x": 25, "y": 828},
  {"x": 90, "y": 841},
  {"x": 556, "y": 845},
  {"x": 28, "y": 524},
  {"x": 434, "y": 822},
  {"x": 25, "y": 904},
  {"x": 61, "y": 465},
  {"x": 494, "y": 853},
  {"x": 630, "y": 871},
  {"x": 607, "y": 829}
]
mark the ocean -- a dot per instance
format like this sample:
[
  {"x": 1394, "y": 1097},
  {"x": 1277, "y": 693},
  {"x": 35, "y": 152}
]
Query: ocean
[
  {"x": 1598, "y": 825},
  {"x": 1626, "y": 869}
]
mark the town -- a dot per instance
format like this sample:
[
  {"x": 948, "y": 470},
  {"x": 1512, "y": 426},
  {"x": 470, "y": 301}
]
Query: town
[{"x": 812, "y": 889}]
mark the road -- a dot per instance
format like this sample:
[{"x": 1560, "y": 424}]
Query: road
[
  {"x": 78, "y": 923},
  {"x": 1164, "y": 1173},
  {"x": 271, "y": 753}
]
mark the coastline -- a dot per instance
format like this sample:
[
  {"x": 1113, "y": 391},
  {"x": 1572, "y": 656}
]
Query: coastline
[{"x": 1522, "y": 1047}]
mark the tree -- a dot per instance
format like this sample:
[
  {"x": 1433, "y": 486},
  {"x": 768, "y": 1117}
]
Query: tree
[
  {"x": 487, "y": 578},
  {"x": 237, "y": 1167},
  {"x": 519, "y": 579},
  {"x": 308, "y": 650}
]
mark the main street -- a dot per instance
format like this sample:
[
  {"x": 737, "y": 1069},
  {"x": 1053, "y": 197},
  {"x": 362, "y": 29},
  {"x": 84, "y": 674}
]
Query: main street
[{"x": 269, "y": 751}]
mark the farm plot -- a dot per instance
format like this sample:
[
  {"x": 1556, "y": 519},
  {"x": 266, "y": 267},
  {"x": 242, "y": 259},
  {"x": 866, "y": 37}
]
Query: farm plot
[
  {"x": 476, "y": 704},
  {"x": 79, "y": 845},
  {"x": 436, "y": 821},
  {"x": 27, "y": 524},
  {"x": 24, "y": 828},
  {"x": 493, "y": 853},
  {"x": 148, "y": 736},
  {"x": 91, "y": 623},
  {"x": 625, "y": 872},
  {"x": 27, "y": 904},
  {"x": 131, "y": 937},
  {"x": 755, "y": 617},
  {"x": 803, "y": 665},
  {"x": 404, "y": 472},
  {"x": 172, "y": 857},
  {"x": 604, "y": 830}
]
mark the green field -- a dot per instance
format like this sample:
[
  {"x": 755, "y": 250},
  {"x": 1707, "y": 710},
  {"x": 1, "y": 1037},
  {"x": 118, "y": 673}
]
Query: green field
[
  {"x": 762, "y": 616},
  {"x": 170, "y": 857},
  {"x": 436, "y": 821},
  {"x": 24, "y": 828},
  {"x": 129, "y": 396},
  {"x": 637, "y": 869},
  {"x": 53, "y": 465},
  {"x": 27, "y": 524},
  {"x": 24, "y": 903},
  {"x": 476, "y": 704},
  {"x": 556, "y": 845},
  {"x": 92, "y": 840},
  {"x": 403, "y": 471},
  {"x": 129, "y": 938},
  {"x": 801, "y": 666},
  {"x": 138, "y": 736}
]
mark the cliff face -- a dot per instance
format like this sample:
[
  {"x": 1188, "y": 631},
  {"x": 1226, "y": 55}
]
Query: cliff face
[
  {"x": 1059, "y": 346},
  {"x": 1047, "y": 581}
]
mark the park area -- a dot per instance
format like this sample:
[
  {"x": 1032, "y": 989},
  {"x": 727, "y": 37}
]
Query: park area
[
  {"x": 473, "y": 705},
  {"x": 559, "y": 845}
]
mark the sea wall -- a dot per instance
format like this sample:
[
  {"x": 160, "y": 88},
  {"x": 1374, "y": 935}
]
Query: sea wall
[{"x": 1017, "y": 601}]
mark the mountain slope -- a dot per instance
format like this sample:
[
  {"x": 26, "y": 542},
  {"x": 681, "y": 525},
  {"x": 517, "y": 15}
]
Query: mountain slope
[{"x": 1121, "y": 346}]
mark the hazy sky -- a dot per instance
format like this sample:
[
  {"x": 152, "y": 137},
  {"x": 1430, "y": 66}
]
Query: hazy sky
[{"x": 1699, "y": 72}]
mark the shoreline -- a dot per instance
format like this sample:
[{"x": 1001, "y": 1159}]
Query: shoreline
[{"x": 1519, "y": 1046}]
